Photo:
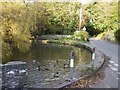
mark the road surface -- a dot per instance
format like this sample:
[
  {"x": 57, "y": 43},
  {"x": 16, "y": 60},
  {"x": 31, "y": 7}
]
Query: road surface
[{"x": 111, "y": 72}]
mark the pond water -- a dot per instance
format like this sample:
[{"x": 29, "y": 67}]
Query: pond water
[{"x": 46, "y": 61}]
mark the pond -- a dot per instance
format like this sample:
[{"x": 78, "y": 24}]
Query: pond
[{"x": 48, "y": 64}]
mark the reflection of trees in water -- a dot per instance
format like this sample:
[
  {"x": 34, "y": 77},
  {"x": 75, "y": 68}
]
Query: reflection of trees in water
[
  {"x": 51, "y": 52},
  {"x": 82, "y": 55},
  {"x": 78, "y": 57},
  {"x": 86, "y": 55},
  {"x": 82, "y": 59}
]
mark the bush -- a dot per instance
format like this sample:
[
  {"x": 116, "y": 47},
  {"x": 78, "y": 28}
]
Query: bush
[
  {"x": 117, "y": 36},
  {"x": 107, "y": 36},
  {"x": 81, "y": 35}
]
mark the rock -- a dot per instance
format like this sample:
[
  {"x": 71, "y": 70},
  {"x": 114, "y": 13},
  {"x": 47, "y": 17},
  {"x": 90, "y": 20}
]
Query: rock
[{"x": 14, "y": 74}]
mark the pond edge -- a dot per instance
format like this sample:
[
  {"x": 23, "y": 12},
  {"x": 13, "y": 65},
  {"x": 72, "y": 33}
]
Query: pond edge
[{"x": 86, "y": 46}]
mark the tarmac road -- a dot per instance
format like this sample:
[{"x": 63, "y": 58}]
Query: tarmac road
[{"x": 111, "y": 72}]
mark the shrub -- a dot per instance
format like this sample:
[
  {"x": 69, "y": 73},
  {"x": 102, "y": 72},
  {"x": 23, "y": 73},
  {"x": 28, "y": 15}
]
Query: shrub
[
  {"x": 117, "y": 36},
  {"x": 107, "y": 36},
  {"x": 81, "y": 35}
]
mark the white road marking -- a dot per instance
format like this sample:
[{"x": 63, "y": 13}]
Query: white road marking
[
  {"x": 109, "y": 65},
  {"x": 112, "y": 62},
  {"x": 116, "y": 65},
  {"x": 114, "y": 69}
]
